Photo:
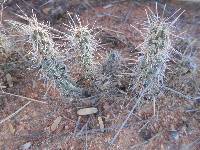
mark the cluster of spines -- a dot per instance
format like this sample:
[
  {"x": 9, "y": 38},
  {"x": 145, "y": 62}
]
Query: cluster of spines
[
  {"x": 83, "y": 41},
  {"x": 157, "y": 49}
]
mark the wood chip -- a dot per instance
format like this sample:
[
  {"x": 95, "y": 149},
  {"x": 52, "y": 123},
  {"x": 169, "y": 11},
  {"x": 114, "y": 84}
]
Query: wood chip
[
  {"x": 87, "y": 111},
  {"x": 9, "y": 80},
  {"x": 11, "y": 128},
  {"x": 101, "y": 124},
  {"x": 34, "y": 84},
  {"x": 55, "y": 124}
]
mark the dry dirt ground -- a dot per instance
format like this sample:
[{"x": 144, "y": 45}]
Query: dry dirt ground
[{"x": 176, "y": 125}]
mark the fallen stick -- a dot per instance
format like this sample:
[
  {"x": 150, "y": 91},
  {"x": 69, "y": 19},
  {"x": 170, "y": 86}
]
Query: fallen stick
[
  {"x": 15, "y": 113},
  {"x": 23, "y": 97}
]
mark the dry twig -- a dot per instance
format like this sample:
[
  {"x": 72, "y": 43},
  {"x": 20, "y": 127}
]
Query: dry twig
[
  {"x": 26, "y": 98},
  {"x": 15, "y": 113}
]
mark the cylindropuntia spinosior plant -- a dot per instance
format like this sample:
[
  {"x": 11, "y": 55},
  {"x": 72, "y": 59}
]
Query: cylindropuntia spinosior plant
[
  {"x": 56, "y": 71},
  {"x": 107, "y": 78},
  {"x": 112, "y": 64},
  {"x": 40, "y": 38},
  {"x": 112, "y": 69},
  {"x": 7, "y": 45},
  {"x": 82, "y": 40},
  {"x": 46, "y": 56},
  {"x": 157, "y": 51}
]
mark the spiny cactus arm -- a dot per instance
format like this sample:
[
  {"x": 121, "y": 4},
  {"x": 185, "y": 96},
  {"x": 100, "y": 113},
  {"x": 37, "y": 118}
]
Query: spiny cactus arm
[
  {"x": 112, "y": 64},
  {"x": 46, "y": 55},
  {"x": 57, "y": 72},
  {"x": 157, "y": 49},
  {"x": 82, "y": 40},
  {"x": 7, "y": 44}
]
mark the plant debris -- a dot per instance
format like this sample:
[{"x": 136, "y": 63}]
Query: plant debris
[
  {"x": 9, "y": 80},
  {"x": 55, "y": 124},
  {"x": 87, "y": 111},
  {"x": 101, "y": 124}
]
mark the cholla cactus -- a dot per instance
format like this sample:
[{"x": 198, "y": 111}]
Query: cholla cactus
[
  {"x": 83, "y": 41},
  {"x": 157, "y": 49},
  {"x": 38, "y": 35},
  {"x": 40, "y": 38},
  {"x": 112, "y": 64},
  {"x": 109, "y": 78},
  {"x": 56, "y": 71},
  {"x": 46, "y": 56},
  {"x": 7, "y": 45}
]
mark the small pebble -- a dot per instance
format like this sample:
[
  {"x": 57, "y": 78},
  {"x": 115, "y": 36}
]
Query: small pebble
[
  {"x": 87, "y": 111},
  {"x": 174, "y": 135}
]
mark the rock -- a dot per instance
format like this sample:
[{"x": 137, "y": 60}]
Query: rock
[
  {"x": 55, "y": 124},
  {"x": 146, "y": 134},
  {"x": 87, "y": 111},
  {"x": 26, "y": 146},
  {"x": 174, "y": 135}
]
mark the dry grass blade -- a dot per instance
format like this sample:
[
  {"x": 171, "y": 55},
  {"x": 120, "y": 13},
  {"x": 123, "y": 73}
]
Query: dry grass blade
[
  {"x": 130, "y": 113},
  {"x": 23, "y": 97},
  {"x": 15, "y": 113}
]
